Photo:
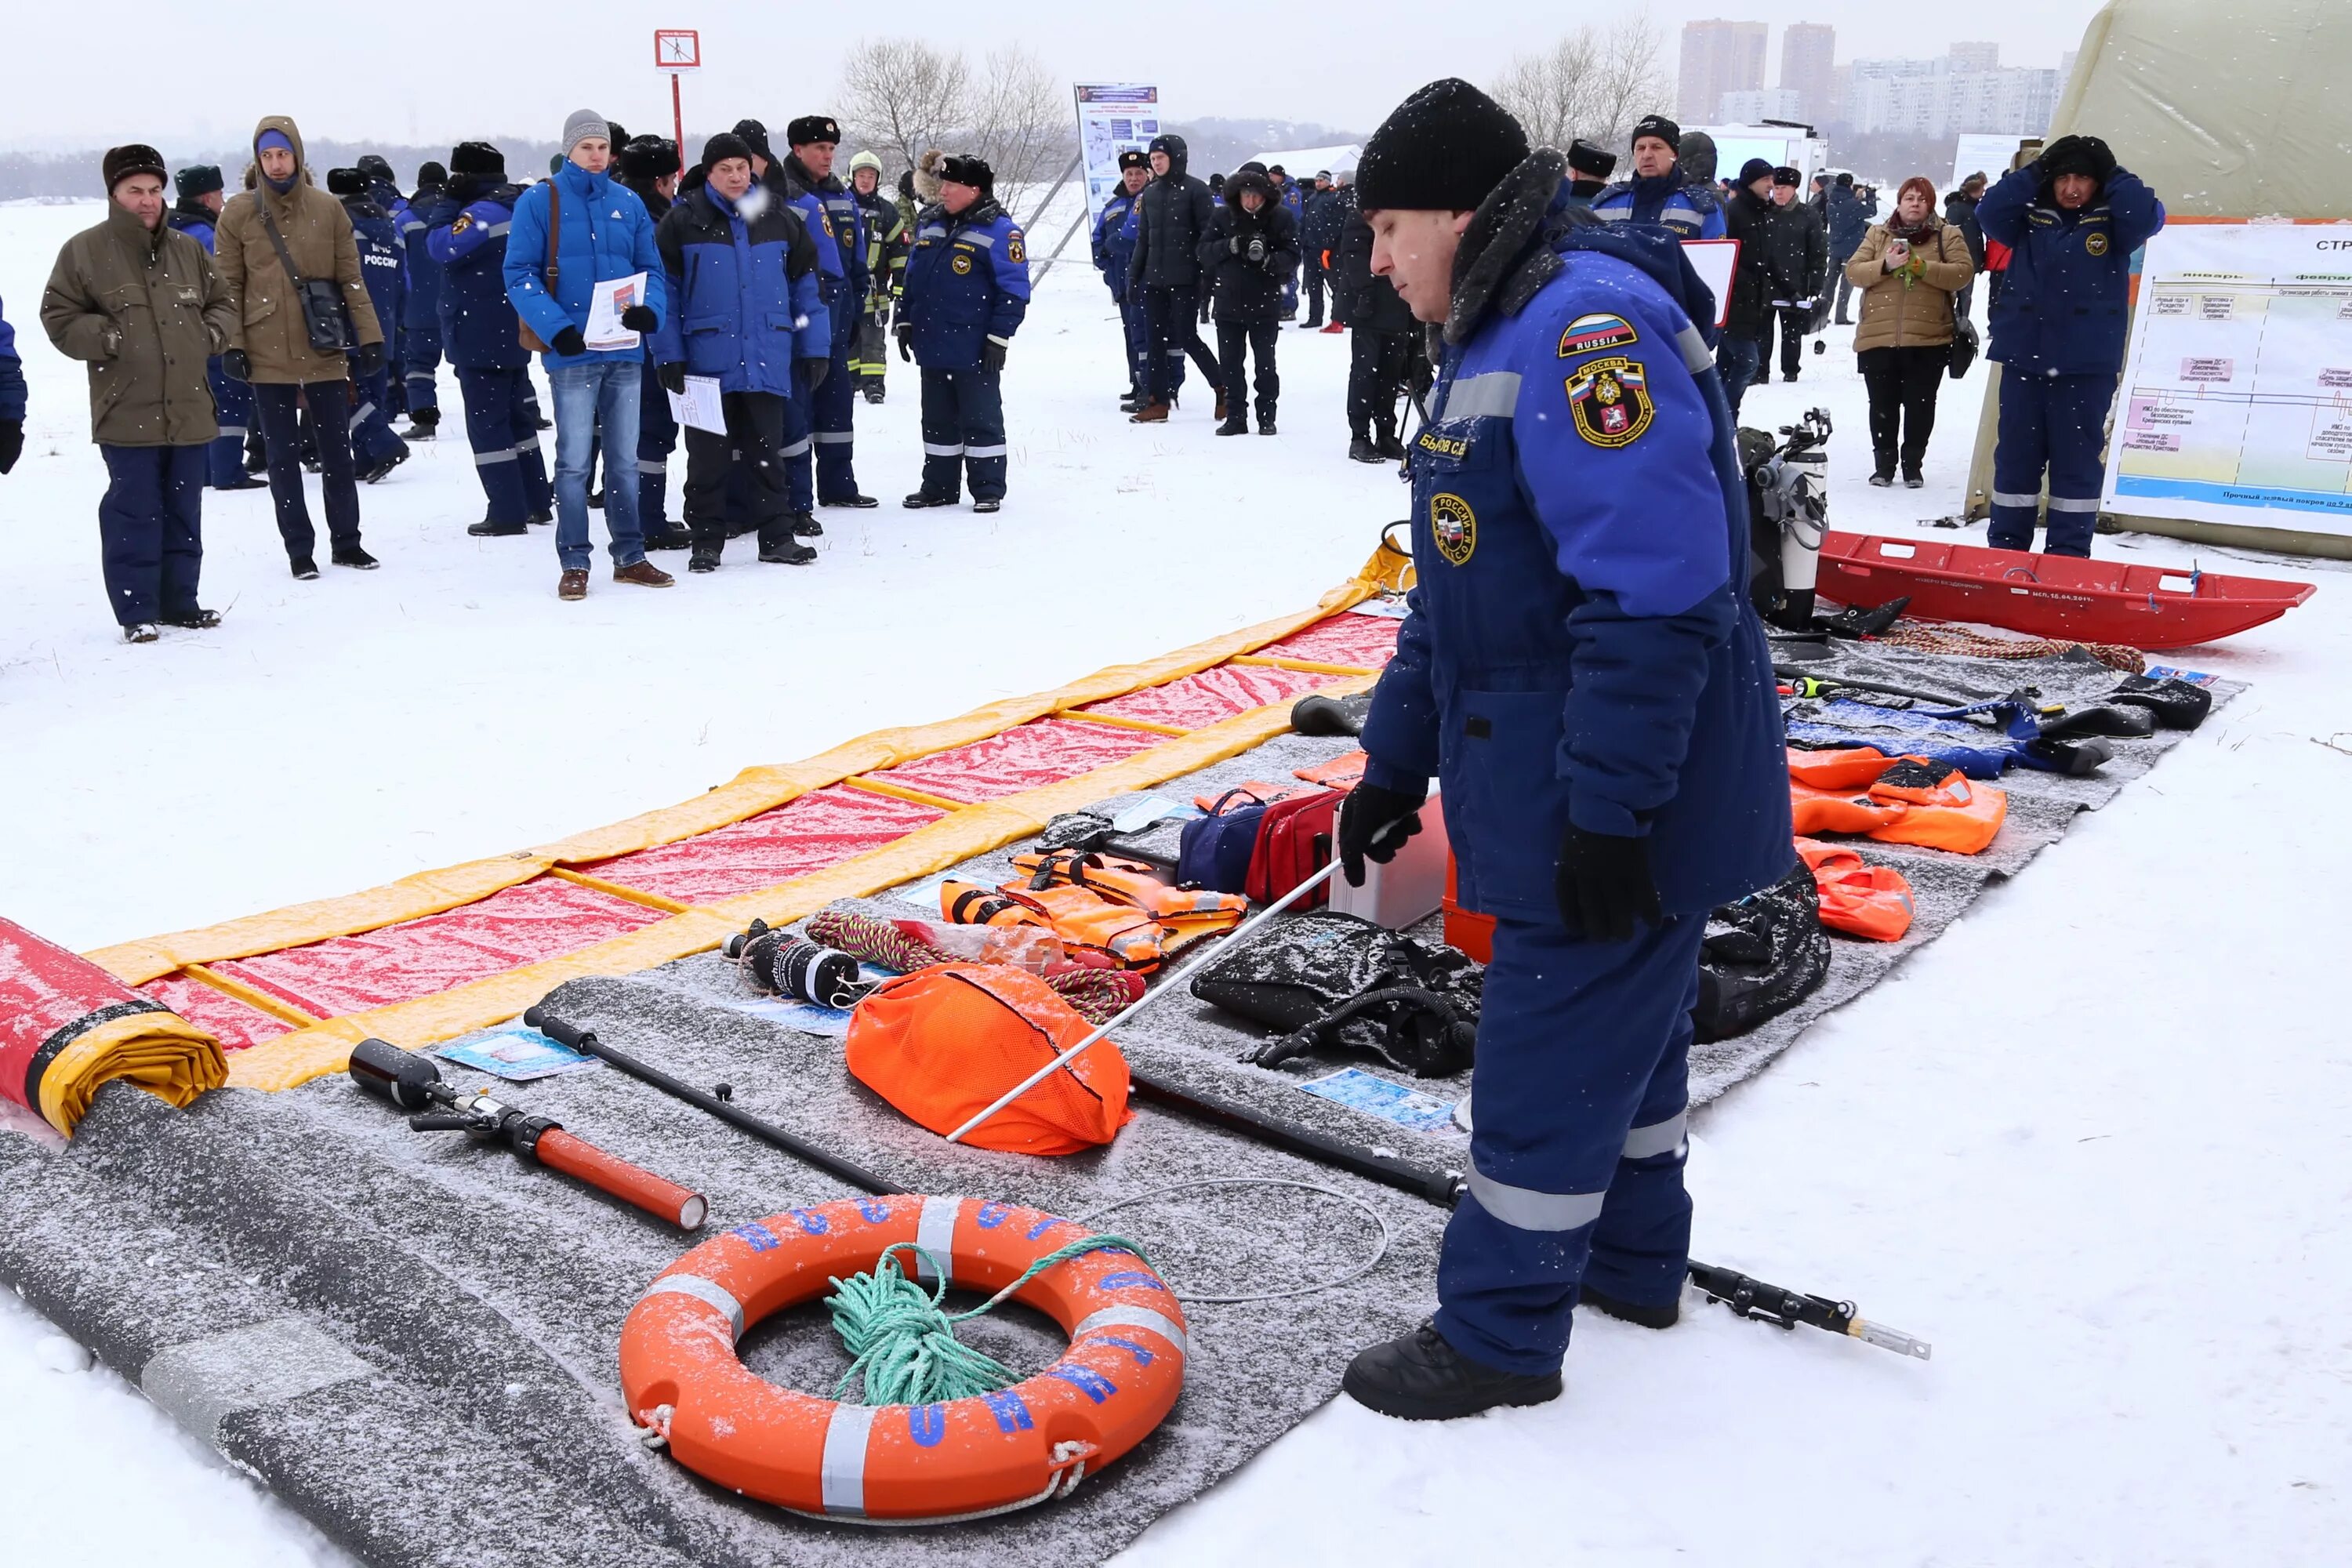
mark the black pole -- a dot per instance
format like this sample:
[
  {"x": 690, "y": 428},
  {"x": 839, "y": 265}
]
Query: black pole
[
  {"x": 1439, "y": 1187},
  {"x": 585, "y": 1041}
]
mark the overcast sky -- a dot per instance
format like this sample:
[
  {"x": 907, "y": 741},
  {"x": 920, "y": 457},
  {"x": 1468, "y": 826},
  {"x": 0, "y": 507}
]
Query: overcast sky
[{"x": 438, "y": 70}]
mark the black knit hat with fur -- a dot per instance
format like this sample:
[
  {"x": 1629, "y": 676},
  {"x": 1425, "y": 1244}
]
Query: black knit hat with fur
[{"x": 1442, "y": 149}]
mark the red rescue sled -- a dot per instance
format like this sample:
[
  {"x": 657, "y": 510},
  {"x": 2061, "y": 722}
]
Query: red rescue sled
[{"x": 2151, "y": 607}]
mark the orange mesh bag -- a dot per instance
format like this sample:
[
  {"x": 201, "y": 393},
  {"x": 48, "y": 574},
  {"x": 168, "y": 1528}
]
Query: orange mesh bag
[{"x": 941, "y": 1044}]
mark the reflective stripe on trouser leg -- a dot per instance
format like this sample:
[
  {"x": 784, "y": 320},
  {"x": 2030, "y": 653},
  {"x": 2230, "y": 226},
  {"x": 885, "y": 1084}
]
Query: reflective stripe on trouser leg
[
  {"x": 656, "y": 439},
  {"x": 942, "y": 435},
  {"x": 800, "y": 429},
  {"x": 980, "y": 416},
  {"x": 491, "y": 404},
  {"x": 1578, "y": 1042},
  {"x": 834, "y": 419},
  {"x": 2021, "y": 451},
  {"x": 1641, "y": 1248},
  {"x": 2076, "y": 420}
]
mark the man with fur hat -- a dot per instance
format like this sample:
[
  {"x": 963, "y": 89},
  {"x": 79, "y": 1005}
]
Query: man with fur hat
[
  {"x": 139, "y": 304},
  {"x": 2072, "y": 219},
  {"x": 967, "y": 292},
  {"x": 1662, "y": 190},
  {"x": 1114, "y": 248},
  {"x": 1581, "y": 663}
]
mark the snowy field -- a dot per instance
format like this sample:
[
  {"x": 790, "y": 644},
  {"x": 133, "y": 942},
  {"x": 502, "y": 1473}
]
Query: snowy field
[{"x": 2093, "y": 1144}]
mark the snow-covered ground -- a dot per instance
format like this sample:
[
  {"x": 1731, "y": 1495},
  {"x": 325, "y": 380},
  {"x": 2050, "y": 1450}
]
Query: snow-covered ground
[{"x": 2092, "y": 1144}]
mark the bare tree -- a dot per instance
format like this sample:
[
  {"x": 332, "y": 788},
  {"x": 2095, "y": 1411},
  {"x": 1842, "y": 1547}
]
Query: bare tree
[
  {"x": 1590, "y": 83},
  {"x": 905, "y": 97},
  {"x": 1022, "y": 121}
]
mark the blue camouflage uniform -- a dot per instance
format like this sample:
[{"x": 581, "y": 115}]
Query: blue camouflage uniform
[
  {"x": 374, "y": 443},
  {"x": 967, "y": 286},
  {"x": 466, "y": 235},
  {"x": 224, "y": 455},
  {"x": 420, "y": 318},
  {"x": 1581, "y": 649},
  {"x": 2058, "y": 326},
  {"x": 1689, "y": 208},
  {"x": 833, "y": 411},
  {"x": 1114, "y": 249}
]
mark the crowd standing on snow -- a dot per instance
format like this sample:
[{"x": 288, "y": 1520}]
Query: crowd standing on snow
[{"x": 284, "y": 328}]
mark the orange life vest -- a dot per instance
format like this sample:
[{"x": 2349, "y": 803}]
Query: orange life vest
[
  {"x": 1078, "y": 917},
  {"x": 1856, "y": 898},
  {"x": 1910, "y": 802}
]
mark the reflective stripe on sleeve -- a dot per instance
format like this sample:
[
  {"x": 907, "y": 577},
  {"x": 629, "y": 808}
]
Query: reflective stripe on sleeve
[
  {"x": 1697, "y": 356},
  {"x": 1493, "y": 395}
]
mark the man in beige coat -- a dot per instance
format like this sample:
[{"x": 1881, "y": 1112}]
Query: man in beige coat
[
  {"x": 139, "y": 302},
  {"x": 272, "y": 343}
]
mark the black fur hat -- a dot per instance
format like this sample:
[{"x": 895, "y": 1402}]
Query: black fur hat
[
  {"x": 477, "y": 158},
  {"x": 970, "y": 169},
  {"x": 811, "y": 127},
  {"x": 346, "y": 183}
]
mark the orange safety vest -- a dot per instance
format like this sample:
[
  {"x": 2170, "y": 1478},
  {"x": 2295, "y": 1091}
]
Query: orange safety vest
[
  {"x": 1191, "y": 913},
  {"x": 1133, "y": 939},
  {"x": 1856, "y": 898},
  {"x": 1909, "y": 803}
]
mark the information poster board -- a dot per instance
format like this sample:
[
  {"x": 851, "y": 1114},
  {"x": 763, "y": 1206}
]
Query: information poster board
[
  {"x": 2236, "y": 401},
  {"x": 1113, "y": 118}
]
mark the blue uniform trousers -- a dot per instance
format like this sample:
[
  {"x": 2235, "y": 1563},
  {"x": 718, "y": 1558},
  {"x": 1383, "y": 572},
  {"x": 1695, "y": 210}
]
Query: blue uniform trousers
[
  {"x": 800, "y": 440},
  {"x": 1137, "y": 327},
  {"x": 505, "y": 437},
  {"x": 420, "y": 358},
  {"x": 963, "y": 429},
  {"x": 656, "y": 439},
  {"x": 233, "y": 399},
  {"x": 150, "y": 531},
  {"x": 834, "y": 415},
  {"x": 373, "y": 437},
  {"x": 1579, "y": 1098},
  {"x": 2056, "y": 423}
]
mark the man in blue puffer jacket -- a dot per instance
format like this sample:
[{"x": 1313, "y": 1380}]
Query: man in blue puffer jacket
[
  {"x": 599, "y": 232},
  {"x": 2072, "y": 220},
  {"x": 1581, "y": 663},
  {"x": 742, "y": 270},
  {"x": 967, "y": 290},
  {"x": 1662, "y": 191}
]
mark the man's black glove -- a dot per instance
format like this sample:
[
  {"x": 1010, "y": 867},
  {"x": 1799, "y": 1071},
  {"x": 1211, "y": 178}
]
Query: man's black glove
[
  {"x": 1603, "y": 885},
  {"x": 673, "y": 377},
  {"x": 905, "y": 340},
  {"x": 367, "y": 359},
  {"x": 992, "y": 353},
  {"x": 1258, "y": 250},
  {"x": 812, "y": 372},
  {"x": 569, "y": 343},
  {"x": 1367, "y": 810},
  {"x": 640, "y": 319},
  {"x": 235, "y": 365},
  {"x": 11, "y": 443}
]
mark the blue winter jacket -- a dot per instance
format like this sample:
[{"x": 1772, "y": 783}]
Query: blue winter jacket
[
  {"x": 1849, "y": 224},
  {"x": 12, "y": 372},
  {"x": 196, "y": 222},
  {"x": 967, "y": 282},
  {"x": 1114, "y": 241},
  {"x": 2065, "y": 307},
  {"x": 421, "y": 310},
  {"x": 745, "y": 301},
  {"x": 1690, "y": 210},
  {"x": 606, "y": 233},
  {"x": 1580, "y": 648},
  {"x": 466, "y": 236},
  {"x": 377, "y": 237}
]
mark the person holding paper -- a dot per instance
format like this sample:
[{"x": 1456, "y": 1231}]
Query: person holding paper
[{"x": 585, "y": 278}]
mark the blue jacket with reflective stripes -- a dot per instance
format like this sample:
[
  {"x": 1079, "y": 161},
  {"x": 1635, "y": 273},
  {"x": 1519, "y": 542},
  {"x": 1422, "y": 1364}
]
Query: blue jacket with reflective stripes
[
  {"x": 967, "y": 282},
  {"x": 1114, "y": 241},
  {"x": 196, "y": 222},
  {"x": 1580, "y": 647},
  {"x": 421, "y": 310},
  {"x": 606, "y": 233},
  {"x": 743, "y": 291},
  {"x": 378, "y": 239},
  {"x": 466, "y": 235},
  {"x": 2065, "y": 306},
  {"x": 1689, "y": 209}
]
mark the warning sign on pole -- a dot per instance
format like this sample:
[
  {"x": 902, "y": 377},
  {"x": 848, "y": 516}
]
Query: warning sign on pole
[{"x": 677, "y": 51}]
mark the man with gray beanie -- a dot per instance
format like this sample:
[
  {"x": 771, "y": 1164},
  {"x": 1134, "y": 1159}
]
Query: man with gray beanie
[
  {"x": 1579, "y": 662},
  {"x": 580, "y": 228}
]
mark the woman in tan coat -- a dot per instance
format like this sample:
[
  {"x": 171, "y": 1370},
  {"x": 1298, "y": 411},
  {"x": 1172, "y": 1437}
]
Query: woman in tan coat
[
  {"x": 272, "y": 345},
  {"x": 1907, "y": 270}
]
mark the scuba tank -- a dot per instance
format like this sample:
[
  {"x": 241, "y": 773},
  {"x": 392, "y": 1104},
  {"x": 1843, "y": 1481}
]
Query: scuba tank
[{"x": 1788, "y": 506}]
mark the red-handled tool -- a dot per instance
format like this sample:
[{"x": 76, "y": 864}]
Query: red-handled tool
[{"x": 413, "y": 1083}]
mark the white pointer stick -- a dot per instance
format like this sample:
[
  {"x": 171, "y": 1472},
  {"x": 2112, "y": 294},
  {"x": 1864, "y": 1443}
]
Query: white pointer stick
[{"x": 1166, "y": 987}]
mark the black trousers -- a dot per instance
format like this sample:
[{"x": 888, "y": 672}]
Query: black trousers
[
  {"x": 1312, "y": 270},
  {"x": 1256, "y": 339},
  {"x": 1792, "y": 321},
  {"x": 755, "y": 427},
  {"x": 1169, "y": 313},
  {"x": 1376, "y": 364},
  {"x": 1903, "y": 383},
  {"x": 330, "y": 417}
]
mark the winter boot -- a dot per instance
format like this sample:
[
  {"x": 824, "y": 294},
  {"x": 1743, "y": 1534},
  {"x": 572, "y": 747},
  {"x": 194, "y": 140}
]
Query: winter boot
[
  {"x": 1641, "y": 1314},
  {"x": 1221, "y": 405},
  {"x": 855, "y": 503},
  {"x": 704, "y": 559},
  {"x": 422, "y": 425},
  {"x": 669, "y": 536},
  {"x": 988, "y": 504},
  {"x": 1389, "y": 446},
  {"x": 1149, "y": 414},
  {"x": 542, "y": 518},
  {"x": 922, "y": 499},
  {"x": 1236, "y": 425},
  {"x": 644, "y": 574},
  {"x": 571, "y": 585},
  {"x": 1420, "y": 1377},
  {"x": 804, "y": 525},
  {"x": 486, "y": 529},
  {"x": 1363, "y": 451},
  {"x": 1265, "y": 419},
  {"x": 351, "y": 555},
  {"x": 141, "y": 631},
  {"x": 779, "y": 548},
  {"x": 306, "y": 570},
  {"x": 198, "y": 620}
]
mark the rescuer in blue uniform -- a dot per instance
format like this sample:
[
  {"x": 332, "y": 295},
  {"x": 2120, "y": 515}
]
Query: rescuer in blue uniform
[
  {"x": 466, "y": 235},
  {"x": 775, "y": 176},
  {"x": 1662, "y": 191},
  {"x": 1581, "y": 665},
  {"x": 195, "y": 215},
  {"x": 376, "y": 450},
  {"x": 816, "y": 140},
  {"x": 1114, "y": 249},
  {"x": 967, "y": 290},
  {"x": 2072, "y": 220},
  {"x": 420, "y": 321}
]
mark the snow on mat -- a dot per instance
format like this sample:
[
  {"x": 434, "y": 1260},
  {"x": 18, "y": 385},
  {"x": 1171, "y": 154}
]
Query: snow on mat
[
  {"x": 821, "y": 828},
  {"x": 1365, "y": 642},
  {"x": 544, "y": 918},
  {"x": 231, "y": 1021},
  {"x": 1041, "y": 752},
  {"x": 1211, "y": 695}
]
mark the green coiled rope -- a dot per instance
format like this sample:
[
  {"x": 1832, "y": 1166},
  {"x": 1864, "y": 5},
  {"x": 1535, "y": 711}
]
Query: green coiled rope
[{"x": 902, "y": 1341}]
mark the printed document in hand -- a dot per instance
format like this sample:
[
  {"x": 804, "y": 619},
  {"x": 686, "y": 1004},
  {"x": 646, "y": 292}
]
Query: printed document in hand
[
  {"x": 614, "y": 296},
  {"x": 699, "y": 405}
]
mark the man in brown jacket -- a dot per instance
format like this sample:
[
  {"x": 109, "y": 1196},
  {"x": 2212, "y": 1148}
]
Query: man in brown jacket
[
  {"x": 270, "y": 344},
  {"x": 139, "y": 303}
]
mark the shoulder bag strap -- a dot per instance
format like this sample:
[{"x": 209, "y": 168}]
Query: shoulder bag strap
[
  {"x": 276, "y": 240},
  {"x": 555, "y": 233}
]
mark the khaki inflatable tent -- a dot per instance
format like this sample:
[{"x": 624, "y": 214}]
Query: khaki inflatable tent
[{"x": 2231, "y": 110}]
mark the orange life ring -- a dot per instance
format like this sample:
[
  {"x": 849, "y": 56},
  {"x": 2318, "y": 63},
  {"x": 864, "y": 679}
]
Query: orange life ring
[{"x": 901, "y": 1464}]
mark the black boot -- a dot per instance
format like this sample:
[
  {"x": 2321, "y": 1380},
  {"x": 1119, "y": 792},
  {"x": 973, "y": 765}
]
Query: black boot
[
  {"x": 804, "y": 525},
  {"x": 1265, "y": 420},
  {"x": 669, "y": 536},
  {"x": 196, "y": 620},
  {"x": 922, "y": 499},
  {"x": 1422, "y": 1378},
  {"x": 1363, "y": 451},
  {"x": 1641, "y": 1315},
  {"x": 486, "y": 529},
  {"x": 1236, "y": 425},
  {"x": 779, "y": 548},
  {"x": 423, "y": 425},
  {"x": 354, "y": 556},
  {"x": 705, "y": 557},
  {"x": 1389, "y": 446}
]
